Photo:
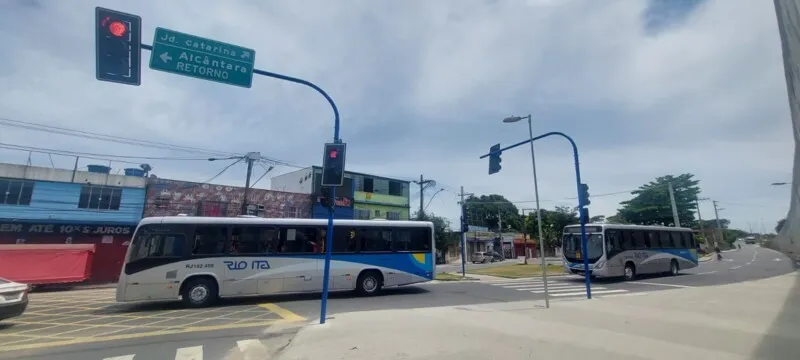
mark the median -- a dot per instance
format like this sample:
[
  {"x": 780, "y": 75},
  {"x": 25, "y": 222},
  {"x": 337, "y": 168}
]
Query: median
[
  {"x": 515, "y": 271},
  {"x": 451, "y": 277}
]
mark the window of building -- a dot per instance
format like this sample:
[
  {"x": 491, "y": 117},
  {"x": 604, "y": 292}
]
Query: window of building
[
  {"x": 362, "y": 214},
  {"x": 392, "y": 215},
  {"x": 209, "y": 240},
  {"x": 395, "y": 188},
  {"x": 212, "y": 208},
  {"x": 369, "y": 185},
  {"x": 377, "y": 213},
  {"x": 100, "y": 197},
  {"x": 16, "y": 192}
]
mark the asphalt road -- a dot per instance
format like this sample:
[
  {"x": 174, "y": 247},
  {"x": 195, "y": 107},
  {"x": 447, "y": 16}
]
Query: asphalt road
[{"x": 750, "y": 263}]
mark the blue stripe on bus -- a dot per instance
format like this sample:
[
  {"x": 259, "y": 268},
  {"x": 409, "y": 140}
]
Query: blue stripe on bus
[{"x": 420, "y": 264}]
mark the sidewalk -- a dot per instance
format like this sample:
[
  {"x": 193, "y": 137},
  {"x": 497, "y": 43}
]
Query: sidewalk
[{"x": 752, "y": 320}]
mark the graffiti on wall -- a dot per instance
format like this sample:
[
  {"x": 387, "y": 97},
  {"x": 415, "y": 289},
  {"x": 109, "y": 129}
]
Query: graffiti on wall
[{"x": 172, "y": 197}]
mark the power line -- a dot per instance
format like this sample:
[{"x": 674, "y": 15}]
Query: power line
[
  {"x": 224, "y": 170},
  {"x": 87, "y": 155}
]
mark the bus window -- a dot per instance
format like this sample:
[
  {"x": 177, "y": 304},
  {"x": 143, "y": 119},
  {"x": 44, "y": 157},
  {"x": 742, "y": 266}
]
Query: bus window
[
  {"x": 665, "y": 240},
  {"x": 627, "y": 240},
  {"x": 344, "y": 240},
  {"x": 651, "y": 240},
  {"x": 376, "y": 240},
  {"x": 209, "y": 240},
  {"x": 677, "y": 242},
  {"x": 157, "y": 245},
  {"x": 613, "y": 242},
  {"x": 298, "y": 240},
  {"x": 688, "y": 240},
  {"x": 420, "y": 239},
  {"x": 638, "y": 240},
  {"x": 252, "y": 240},
  {"x": 401, "y": 240}
]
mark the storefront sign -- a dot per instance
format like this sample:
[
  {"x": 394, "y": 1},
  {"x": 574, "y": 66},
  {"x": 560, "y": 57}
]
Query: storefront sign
[
  {"x": 26, "y": 228},
  {"x": 340, "y": 201}
]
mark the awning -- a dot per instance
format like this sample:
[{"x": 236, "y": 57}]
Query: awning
[{"x": 46, "y": 264}]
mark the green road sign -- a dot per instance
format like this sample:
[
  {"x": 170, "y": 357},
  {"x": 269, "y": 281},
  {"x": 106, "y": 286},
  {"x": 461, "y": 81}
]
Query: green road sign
[{"x": 184, "y": 54}]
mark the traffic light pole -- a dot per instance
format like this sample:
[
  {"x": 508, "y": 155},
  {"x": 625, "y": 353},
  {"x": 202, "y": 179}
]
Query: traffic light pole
[
  {"x": 329, "y": 234},
  {"x": 581, "y": 200}
]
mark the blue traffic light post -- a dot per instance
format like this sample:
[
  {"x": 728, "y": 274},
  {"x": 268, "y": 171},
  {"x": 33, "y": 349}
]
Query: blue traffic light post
[
  {"x": 118, "y": 59},
  {"x": 494, "y": 158}
]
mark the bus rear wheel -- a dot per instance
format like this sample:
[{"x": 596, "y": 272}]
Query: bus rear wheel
[
  {"x": 369, "y": 283},
  {"x": 199, "y": 292}
]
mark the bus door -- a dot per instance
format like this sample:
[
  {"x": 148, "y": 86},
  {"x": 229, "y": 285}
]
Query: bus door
[
  {"x": 153, "y": 267},
  {"x": 302, "y": 265}
]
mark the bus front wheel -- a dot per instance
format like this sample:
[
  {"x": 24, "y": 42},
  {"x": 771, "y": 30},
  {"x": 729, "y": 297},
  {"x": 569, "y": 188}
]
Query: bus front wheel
[
  {"x": 630, "y": 272},
  {"x": 199, "y": 292}
]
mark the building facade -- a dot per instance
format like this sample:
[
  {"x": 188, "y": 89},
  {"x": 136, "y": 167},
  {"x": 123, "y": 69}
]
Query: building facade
[
  {"x": 362, "y": 196},
  {"x": 167, "y": 197},
  {"x": 41, "y": 205}
]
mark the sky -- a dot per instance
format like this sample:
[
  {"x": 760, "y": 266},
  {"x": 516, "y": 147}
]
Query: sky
[{"x": 646, "y": 88}]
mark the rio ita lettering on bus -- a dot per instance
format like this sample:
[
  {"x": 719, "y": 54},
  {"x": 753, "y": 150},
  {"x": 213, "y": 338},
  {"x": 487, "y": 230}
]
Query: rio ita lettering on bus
[
  {"x": 65, "y": 229},
  {"x": 242, "y": 265}
]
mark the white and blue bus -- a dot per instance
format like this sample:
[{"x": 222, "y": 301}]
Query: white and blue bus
[
  {"x": 615, "y": 250},
  {"x": 200, "y": 259}
]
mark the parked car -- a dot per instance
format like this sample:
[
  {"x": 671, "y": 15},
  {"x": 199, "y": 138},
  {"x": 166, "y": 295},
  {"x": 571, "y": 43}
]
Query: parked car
[
  {"x": 13, "y": 298},
  {"x": 486, "y": 256}
]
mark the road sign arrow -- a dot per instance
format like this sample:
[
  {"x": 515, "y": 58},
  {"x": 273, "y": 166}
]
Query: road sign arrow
[{"x": 165, "y": 57}]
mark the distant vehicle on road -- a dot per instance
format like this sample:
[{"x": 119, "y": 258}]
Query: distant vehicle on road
[
  {"x": 750, "y": 240},
  {"x": 198, "y": 259},
  {"x": 615, "y": 250},
  {"x": 483, "y": 257},
  {"x": 13, "y": 298}
]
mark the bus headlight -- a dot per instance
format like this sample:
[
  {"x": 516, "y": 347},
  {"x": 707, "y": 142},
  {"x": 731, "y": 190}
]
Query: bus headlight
[{"x": 599, "y": 264}]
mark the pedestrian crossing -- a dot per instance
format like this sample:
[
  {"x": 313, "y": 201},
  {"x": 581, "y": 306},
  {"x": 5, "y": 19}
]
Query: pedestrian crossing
[
  {"x": 248, "y": 349},
  {"x": 556, "y": 288}
]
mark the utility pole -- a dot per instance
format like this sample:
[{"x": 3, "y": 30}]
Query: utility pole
[
  {"x": 700, "y": 218},
  {"x": 500, "y": 230},
  {"x": 719, "y": 226},
  {"x": 464, "y": 228},
  {"x": 675, "y": 219},
  {"x": 250, "y": 157},
  {"x": 422, "y": 182}
]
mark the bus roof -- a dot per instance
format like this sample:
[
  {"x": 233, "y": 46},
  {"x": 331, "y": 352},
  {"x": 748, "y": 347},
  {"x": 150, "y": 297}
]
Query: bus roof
[
  {"x": 276, "y": 221},
  {"x": 632, "y": 227}
]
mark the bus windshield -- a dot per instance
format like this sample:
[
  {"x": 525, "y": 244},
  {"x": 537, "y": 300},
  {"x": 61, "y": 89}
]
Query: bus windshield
[{"x": 572, "y": 247}]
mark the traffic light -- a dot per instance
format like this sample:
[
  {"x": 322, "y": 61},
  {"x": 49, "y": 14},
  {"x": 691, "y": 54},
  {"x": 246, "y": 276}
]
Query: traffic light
[
  {"x": 584, "y": 195},
  {"x": 494, "y": 159},
  {"x": 333, "y": 164},
  {"x": 118, "y": 42},
  {"x": 585, "y": 215},
  {"x": 325, "y": 198},
  {"x": 464, "y": 225}
]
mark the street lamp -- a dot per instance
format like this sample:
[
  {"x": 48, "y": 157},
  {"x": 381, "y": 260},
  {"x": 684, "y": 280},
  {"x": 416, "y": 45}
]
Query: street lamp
[{"x": 513, "y": 119}]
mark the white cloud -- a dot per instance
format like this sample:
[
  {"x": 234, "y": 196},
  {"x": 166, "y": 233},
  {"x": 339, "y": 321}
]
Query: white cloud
[{"x": 421, "y": 87}]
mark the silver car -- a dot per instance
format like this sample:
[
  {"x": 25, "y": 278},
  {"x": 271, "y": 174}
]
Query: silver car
[{"x": 13, "y": 298}]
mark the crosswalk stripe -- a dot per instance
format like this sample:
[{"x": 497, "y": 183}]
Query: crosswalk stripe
[
  {"x": 253, "y": 349},
  {"x": 541, "y": 289},
  {"x": 189, "y": 353},
  {"x": 584, "y": 293},
  {"x": 123, "y": 357}
]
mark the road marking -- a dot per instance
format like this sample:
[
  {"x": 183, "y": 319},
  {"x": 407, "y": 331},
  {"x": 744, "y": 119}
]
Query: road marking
[
  {"x": 755, "y": 253},
  {"x": 777, "y": 259},
  {"x": 189, "y": 353},
  {"x": 628, "y": 294},
  {"x": 253, "y": 349},
  {"x": 737, "y": 267},
  {"x": 282, "y": 312},
  {"x": 659, "y": 284},
  {"x": 123, "y": 357},
  {"x": 706, "y": 273},
  {"x": 593, "y": 292}
]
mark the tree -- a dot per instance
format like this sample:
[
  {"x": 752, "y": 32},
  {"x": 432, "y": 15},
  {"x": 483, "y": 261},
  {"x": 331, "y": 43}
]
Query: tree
[
  {"x": 553, "y": 223},
  {"x": 441, "y": 228},
  {"x": 597, "y": 219},
  {"x": 616, "y": 219},
  {"x": 483, "y": 211},
  {"x": 651, "y": 202},
  {"x": 779, "y": 225}
]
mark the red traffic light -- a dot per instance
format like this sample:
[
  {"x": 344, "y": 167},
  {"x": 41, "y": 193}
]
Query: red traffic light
[
  {"x": 117, "y": 28},
  {"x": 333, "y": 154}
]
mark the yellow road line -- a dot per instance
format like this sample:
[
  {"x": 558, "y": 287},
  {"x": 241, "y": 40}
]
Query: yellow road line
[
  {"x": 282, "y": 312},
  {"x": 137, "y": 335}
]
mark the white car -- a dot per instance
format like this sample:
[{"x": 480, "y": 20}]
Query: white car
[{"x": 13, "y": 298}]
